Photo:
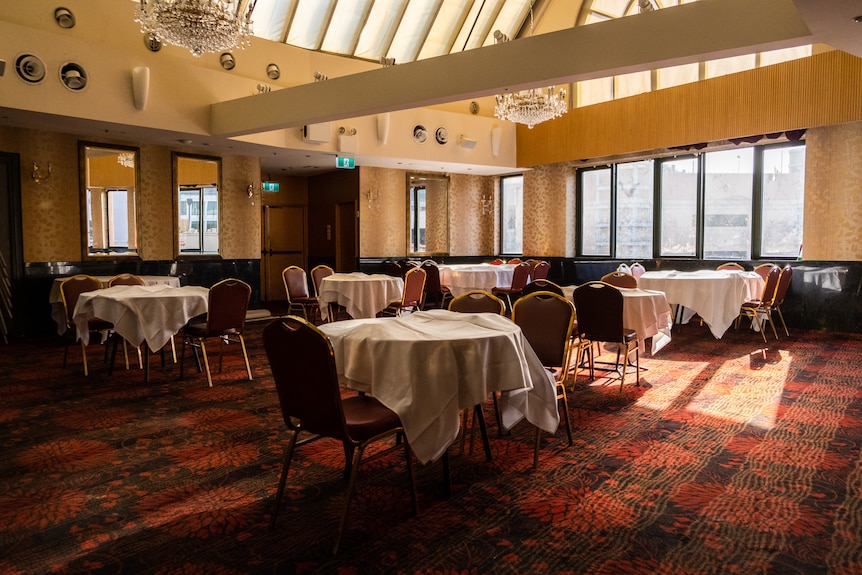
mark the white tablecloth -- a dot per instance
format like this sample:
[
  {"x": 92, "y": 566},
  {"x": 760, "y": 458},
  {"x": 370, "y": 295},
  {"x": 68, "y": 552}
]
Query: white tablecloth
[
  {"x": 462, "y": 278},
  {"x": 58, "y": 314},
  {"x": 645, "y": 311},
  {"x": 363, "y": 295},
  {"x": 429, "y": 365},
  {"x": 142, "y": 313},
  {"x": 715, "y": 295}
]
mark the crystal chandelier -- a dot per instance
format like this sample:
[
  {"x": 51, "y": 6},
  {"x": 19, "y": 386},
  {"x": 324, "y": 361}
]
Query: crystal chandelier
[
  {"x": 531, "y": 107},
  {"x": 198, "y": 25}
]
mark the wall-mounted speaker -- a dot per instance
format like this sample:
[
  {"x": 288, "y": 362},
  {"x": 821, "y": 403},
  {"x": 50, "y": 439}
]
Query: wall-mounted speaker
[
  {"x": 496, "y": 137},
  {"x": 382, "y": 128},
  {"x": 140, "y": 86}
]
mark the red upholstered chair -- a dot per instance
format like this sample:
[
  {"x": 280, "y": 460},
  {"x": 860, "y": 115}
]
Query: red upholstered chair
[
  {"x": 133, "y": 280},
  {"x": 434, "y": 290},
  {"x": 411, "y": 296},
  {"x": 620, "y": 279},
  {"x": 540, "y": 270},
  {"x": 781, "y": 293},
  {"x": 317, "y": 275},
  {"x": 637, "y": 270},
  {"x": 303, "y": 368},
  {"x": 477, "y": 301},
  {"x": 225, "y": 320},
  {"x": 600, "y": 319},
  {"x": 296, "y": 288},
  {"x": 520, "y": 277},
  {"x": 760, "y": 310},
  {"x": 496, "y": 262},
  {"x": 70, "y": 289},
  {"x": 763, "y": 270},
  {"x": 542, "y": 285},
  {"x": 730, "y": 266},
  {"x": 515, "y": 261},
  {"x": 546, "y": 320}
]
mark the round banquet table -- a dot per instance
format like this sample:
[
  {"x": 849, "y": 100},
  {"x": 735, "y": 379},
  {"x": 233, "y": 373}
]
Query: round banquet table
[
  {"x": 363, "y": 295},
  {"x": 462, "y": 278}
]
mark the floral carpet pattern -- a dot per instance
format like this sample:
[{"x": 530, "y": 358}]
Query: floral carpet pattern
[{"x": 730, "y": 457}]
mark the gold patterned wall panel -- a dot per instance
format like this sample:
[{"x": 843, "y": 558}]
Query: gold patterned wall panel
[
  {"x": 833, "y": 193},
  {"x": 383, "y": 225},
  {"x": 156, "y": 201},
  {"x": 239, "y": 221},
  {"x": 549, "y": 221},
  {"x": 471, "y": 231}
]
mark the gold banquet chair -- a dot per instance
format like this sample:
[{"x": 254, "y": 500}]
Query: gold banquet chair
[
  {"x": 225, "y": 319},
  {"x": 303, "y": 368},
  {"x": 296, "y": 288},
  {"x": 620, "y": 279},
  {"x": 411, "y": 295},
  {"x": 126, "y": 279},
  {"x": 70, "y": 290},
  {"x": 759, "y": 310}
]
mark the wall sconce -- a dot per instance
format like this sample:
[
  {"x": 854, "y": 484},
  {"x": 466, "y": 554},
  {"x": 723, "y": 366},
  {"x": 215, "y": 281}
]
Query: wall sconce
[
  {"x": 318, "y": 77},
  {"x": 39, "y": 174},
  {"x": 250, "y": 190},
  {"x": 486, "y": 204},
  {"x": 227, "y": 61},
  {"x": 272, "y": 72},
  {"x": 372, "y": 196}
]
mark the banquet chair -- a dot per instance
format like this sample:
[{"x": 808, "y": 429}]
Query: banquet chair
[
  {"x": 637, "y": 270},
  {"x": 496, "y": 262},
  {"x": 393, "y": 269},
  {"x": 433, "y": 289},
  {"x": 781, "y": 293},
  {"x": 620, "y": 279},
  {"x": 304, "y": 371},
  {"x": 296, "y": 288},
  {"x": 546, "y": 320},
  {"x": 70, "y": 289},
  {"x": 225, "y": 319},
  {"x": 542, "y": 285},
  {"x": 127, "y": 279},
  {"x": 763, "y": 270},
  {"x": 411, "y": 295},
  {"x": 514, "y": 261},
  {"x": 317, "y": 275},
  {"x": 600, "y": 319},
  {"x": 760, "y": 310},
  {"x": 624, "y": 268},
  {"x": 730, "y": 266},
  {"x": 520, "y": 277},
  {"x": 540, "y": 270}
]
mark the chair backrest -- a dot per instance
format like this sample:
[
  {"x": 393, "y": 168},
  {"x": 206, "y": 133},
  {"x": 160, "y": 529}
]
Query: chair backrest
[
  {"x": 228, "y": 304},
  {"x": 600, "y": 311},
  {"x": 126, "y": 280},
  {"x": 414, "y": 286},
  {"x": 620, "y": 279},
  {"x": 763, "y": 270},
  {"x": 432, "y": 277},
  {"x": 540, "y": 270},
  {"x": 303, "y": 368},
  {"x": 730, "y": 266},
  {"x": 624, "y": 268},
  {"x": 393, "y": 269},
  {"x": 515, "y": 261},
  {"x": 496, "y": 262},
  {"x": 546, "y": 320},
  {"x": 542, "y": 285},
  {"x": 770, "y": 286},
  {"x": 520, "y": 276},
  {"x": 637, "y": 270},
  {"x": 295, "y": 282},
  {"x": 783, "y": 284},
  {"x": 317, "y": 275},
  {"x": 477, "y": 301},
  {"x": 73, "y": 287}
]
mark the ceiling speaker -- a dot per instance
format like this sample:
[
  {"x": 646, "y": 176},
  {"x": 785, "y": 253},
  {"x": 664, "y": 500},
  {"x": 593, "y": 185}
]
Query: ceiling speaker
[
  {"x": 30, "y": 68},
  {"x": 64, "y": 18},
  {"x": 73, "y": 76}
]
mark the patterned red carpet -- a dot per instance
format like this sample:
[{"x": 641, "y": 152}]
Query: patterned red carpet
[{"x": 730, "y": 458}]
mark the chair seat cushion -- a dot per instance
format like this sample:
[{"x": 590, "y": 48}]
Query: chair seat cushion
[
  {"x": 367, "y": 417},
  {"x": 200, "y": 329},
  {"x": 304, "y": 300},
  {"x": 629, "y": 334}
]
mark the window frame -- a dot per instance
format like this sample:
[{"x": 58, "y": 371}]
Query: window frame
[
  {"x": 503, "y": 213},
  {"x": 180, "y": 187}
]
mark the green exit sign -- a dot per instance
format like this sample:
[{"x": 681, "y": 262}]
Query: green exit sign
[
  {"x": 348, "y": 163},
  {"x": 270, "y": 186}
]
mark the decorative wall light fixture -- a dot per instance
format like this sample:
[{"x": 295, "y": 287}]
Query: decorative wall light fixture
[
  {"x": 40, "y": 175},
  {"x": 486, "y": 204},
  {"x": 372, "y": 196},
  {"x": 198, "y": 25}
]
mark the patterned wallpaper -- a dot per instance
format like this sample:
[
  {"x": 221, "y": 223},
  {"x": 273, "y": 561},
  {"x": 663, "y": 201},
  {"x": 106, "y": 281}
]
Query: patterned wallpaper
[{"x": 549, "y": 211}]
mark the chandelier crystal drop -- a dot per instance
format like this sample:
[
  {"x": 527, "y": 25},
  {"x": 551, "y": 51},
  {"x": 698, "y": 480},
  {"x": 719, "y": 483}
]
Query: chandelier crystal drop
[
  {"x": 198, "y": 25},
  {"x": 531, "y": 107}
]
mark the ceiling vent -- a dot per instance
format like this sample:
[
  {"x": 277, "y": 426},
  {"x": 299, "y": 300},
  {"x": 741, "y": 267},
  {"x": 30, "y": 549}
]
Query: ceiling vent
[
  {"x": 30, "y": 68},
  {"x": 73, "y": 76}
]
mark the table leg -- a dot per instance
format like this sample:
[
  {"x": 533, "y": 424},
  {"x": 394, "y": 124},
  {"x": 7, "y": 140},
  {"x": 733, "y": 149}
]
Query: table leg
[{"x": 447, "y": 474}]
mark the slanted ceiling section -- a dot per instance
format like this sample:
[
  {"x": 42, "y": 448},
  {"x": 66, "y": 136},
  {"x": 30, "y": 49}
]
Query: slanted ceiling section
[{"x": 816, "y": 91}]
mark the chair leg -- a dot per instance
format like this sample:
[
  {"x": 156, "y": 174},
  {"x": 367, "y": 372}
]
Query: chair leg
[
  {"x": 483, "y": 429},
  {"x": 351, "y": 483},
  {"x": 781, "y": 316},
  {"x": 771, "y": 323},
  {"x": 206, "y": 362},
  {"x": 536, "y": 449},
  {"x": 84, "y": 356},
  {"x": 245, "y": 356},
  {"x": 411, "y": 478},
  {"x": 563, "y": 403},
  {"x": 288, "y": 455}
]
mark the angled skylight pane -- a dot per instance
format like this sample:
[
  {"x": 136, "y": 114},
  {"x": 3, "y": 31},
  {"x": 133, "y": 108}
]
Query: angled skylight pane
[
  {"x": 269, "y": 18},
  {"x": 512, "y": 16},
  {"x": 613, "y": 8},
  {"x": 464, "y": 34},
  {"x": 445, "y": 28},
  {"x": 306, "y": 30},
  {"x": 413, "y": 29},
  {"x": 482, "y": 26},
  {"x": 379, "y": 29},
  {"x": 345, "y": 25}
]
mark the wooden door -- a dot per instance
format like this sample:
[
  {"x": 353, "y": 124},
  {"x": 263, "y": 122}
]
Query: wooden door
[
  {"x": 283, "y": 246},
  {"x": 345, "y": 237}
]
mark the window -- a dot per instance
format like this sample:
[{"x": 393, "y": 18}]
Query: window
[
  {"x": 512, "y": 215},
  {"x": 109, "y": 205},
  {"x": 736, "y": 204},
  {"x": 196, "y": 181},
  {"x": 427, "y": 214}
]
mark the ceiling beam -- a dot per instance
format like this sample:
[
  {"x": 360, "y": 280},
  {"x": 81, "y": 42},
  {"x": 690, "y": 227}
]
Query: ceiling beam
[{"x": 683, "y": 34}]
